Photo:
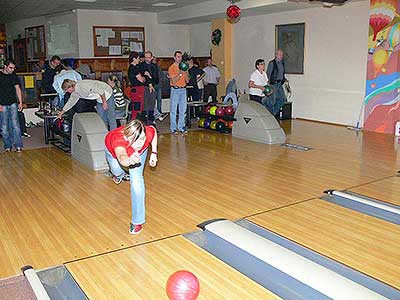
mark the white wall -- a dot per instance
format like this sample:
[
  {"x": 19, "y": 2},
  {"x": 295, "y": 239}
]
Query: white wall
[
  {"x": 13, "y": 29},
  {"x": 336, "y": 42},
  {"x": 162, "y": 39},
  {"x": 200, "y": 39},
  {"x": 69, "y": 19}
]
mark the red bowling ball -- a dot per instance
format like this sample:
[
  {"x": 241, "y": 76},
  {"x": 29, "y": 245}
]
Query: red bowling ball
[
  {"x": 220, "y": 112},
  {"x": 229, "y": 110},
  {"x": 183, "y": 285}
]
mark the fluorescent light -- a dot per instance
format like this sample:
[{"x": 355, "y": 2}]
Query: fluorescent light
[
  {"x": 85, "y": 0},
  {"x": 164, "y": 4}
]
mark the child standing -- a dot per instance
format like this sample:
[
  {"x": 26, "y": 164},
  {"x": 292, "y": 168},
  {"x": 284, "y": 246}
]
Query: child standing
[{"x": 120, "y": 102}]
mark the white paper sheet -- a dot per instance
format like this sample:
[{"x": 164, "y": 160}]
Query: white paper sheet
[
  {"x": 136, "y": 47},
  {"x": 125, "y": 35},
  {"x": 114, "y": 50}
]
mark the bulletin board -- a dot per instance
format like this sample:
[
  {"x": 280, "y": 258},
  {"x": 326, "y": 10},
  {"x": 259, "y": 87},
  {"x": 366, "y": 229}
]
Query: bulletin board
[{"x": 117, "y": 41}]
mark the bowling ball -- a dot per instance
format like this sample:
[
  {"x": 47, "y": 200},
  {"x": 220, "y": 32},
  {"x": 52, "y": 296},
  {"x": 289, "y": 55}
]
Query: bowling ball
[
  {"x": 213, "y": 125},
  {"x": 220, "y": 112},
  {"x": 207, "y": 109},
  {"x": 184, "y": 66},
  {"x": 229, "y": 110},
  {"x": 207, "y": 123},
  {"x": 201, "y": 122},
  {"x": 223, "y": 121},
  {"x": 230, "y": 124},
  {"x": 183, "y": 285},
  {"x": 220, "y": 126},
  {"x": 213, "y": 110},
  {"x": 267, "y": 89}
]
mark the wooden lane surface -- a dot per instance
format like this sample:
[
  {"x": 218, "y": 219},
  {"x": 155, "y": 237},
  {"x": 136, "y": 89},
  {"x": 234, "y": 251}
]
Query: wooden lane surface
[
  {"x": 142, "y": 272},
  {"x": 387, "y": 190},
  {"x": 54, "y": 209},
  {"x": 364, "y": 243}
]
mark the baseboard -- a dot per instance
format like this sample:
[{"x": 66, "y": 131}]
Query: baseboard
[{"x": 322, "y": 122}]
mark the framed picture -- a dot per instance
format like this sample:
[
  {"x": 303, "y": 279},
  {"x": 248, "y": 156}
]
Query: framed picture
[{"x": 290, "y": 38}]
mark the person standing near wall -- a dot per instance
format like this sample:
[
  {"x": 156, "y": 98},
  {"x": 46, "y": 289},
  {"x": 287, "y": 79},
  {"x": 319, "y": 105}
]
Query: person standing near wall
[
  {"x": 137, "y": 82},
  {"x": 150, "y": 72},
  {"x": 48, "y": 78},
  {"x": 11, "y": 103},
  {"x": 178, "y": 80},
  {"x": 211, "y": 80},
  {"x": 258, "y": 81},
  {"x": 276, "y": 76}
]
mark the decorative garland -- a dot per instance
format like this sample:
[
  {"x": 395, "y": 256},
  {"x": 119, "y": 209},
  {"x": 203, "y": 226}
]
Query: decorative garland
[{"x": 216, "y": 37}]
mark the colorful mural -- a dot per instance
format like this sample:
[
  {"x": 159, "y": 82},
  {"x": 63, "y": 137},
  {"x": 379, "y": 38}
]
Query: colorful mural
[{"x": 382, "y": 95}]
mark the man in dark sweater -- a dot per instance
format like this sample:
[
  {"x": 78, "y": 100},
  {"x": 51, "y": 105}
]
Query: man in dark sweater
[
  {"x": 11, "y": 103},
  {"x": 48, "y": 78},
  {"x": 276, "y": 78},
  {"x": 150, "y": 72},
  {"x": 196, "y": 74}
]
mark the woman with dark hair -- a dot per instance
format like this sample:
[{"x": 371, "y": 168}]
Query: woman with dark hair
[
  {"x": 258, "y": 81},
  {"x": 137, "y": 81}
]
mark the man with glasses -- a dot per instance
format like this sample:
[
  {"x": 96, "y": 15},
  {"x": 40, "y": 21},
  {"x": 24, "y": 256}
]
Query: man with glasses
[{"x": 11, "y": 103}]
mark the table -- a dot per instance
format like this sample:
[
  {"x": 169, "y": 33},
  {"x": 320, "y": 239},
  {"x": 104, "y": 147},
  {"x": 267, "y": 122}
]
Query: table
[
  {"x": 47, "y": 98},
  {"x": 48, "y": 119},
  {"x": 190, "y": 105}
]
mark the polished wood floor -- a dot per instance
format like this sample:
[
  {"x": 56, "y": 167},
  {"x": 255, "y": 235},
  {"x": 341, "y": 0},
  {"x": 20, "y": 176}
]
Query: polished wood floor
[
  {"x": 387, "y": 190},
  {"x": 54, "y": 210}
]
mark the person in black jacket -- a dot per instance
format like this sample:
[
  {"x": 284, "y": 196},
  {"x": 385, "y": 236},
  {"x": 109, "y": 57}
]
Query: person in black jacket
[
  {"x": 48, "y": 78},
  {"x": 137, "y": 82},
  {"x": 150, "y": 72},
  {"x": 276, "y": 78}
]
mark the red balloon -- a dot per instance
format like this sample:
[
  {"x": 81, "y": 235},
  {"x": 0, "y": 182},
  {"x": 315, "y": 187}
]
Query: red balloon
[
  {"x": 183, "y": 285},
  {"x": 233, "y": 12}
]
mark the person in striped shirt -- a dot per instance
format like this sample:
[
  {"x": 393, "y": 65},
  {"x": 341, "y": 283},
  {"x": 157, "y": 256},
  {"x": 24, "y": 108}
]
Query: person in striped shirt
[{"x": 120, "y": 102}]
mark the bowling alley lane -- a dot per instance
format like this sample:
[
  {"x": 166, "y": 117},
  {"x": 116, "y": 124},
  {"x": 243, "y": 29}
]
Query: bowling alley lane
[
  {"x": 362, "y": 242},
  {"x": 142, "y": 272}
]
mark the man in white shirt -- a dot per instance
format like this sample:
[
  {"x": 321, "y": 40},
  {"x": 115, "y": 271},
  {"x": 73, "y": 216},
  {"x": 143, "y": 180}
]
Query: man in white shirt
[
  {"x": 92, "y": 90},
  {"x": 211, "y": 80},
  {"x": 258, "y": 81}
]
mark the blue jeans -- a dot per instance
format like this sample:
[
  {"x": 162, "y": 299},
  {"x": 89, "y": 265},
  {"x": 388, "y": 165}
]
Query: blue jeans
[
  {"x": 10, "y": 130},
  {"x": 138, "y": 191},
  {"x": 178, "y": 102},
  {"x": 108, "y": 115},
  {"x": 275, "y": 101}
]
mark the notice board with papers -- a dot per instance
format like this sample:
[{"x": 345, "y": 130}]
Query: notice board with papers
[{"x": 117, "y": 40}]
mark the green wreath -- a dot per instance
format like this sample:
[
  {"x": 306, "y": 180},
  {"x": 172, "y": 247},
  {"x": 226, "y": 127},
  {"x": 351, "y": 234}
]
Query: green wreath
[{"x": 216, "y": 37}]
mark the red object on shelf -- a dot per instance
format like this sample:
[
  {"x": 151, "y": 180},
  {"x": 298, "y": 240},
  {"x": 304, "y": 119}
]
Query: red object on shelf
[{"x": 233, "y": 12}]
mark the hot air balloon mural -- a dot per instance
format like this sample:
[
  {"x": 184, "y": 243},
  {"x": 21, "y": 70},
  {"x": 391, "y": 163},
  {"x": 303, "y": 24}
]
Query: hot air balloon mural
[
  {"x": 382, "y": 94},
  {"x": 381, "y": 14}
]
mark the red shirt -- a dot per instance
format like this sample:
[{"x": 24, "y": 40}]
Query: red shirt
[{"x": 116, "y": 138}]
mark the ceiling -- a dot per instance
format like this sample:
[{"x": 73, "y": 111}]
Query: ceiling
[{"x": 12, "y": 10}]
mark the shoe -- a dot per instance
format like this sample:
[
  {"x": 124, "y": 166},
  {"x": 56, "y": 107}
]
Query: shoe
[
  {"x": 176, "y": 132},
  {"x": 117, "y": 180},
  {"x": 18, "y": 150},
  {"x": 7, "y": 150},
  {"x": 126, "y": 177},
  {"x": 184, "y": 132},
  {"x": 162, "y": 117},
  {"x": 135, "y": 229},
  {"x": 27, "y": 135}
]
